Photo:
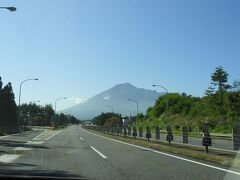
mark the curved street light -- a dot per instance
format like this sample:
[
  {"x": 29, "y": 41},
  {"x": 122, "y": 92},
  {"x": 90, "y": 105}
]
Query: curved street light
[
  {"x": 110, "y": 107},
  {"x": 12, "y": 9},
  {"x": 56, "y": 102},
  {"x": 133, "y": 100},
  {"x": 20, "y": 92},
  {"x": 155, "y": 85}
]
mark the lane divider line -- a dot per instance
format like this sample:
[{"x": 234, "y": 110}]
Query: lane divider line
[
  {"x": 104, "y": 157},
  {"x": 166, "y": 154},
  {"x": 81, "y": 138}
]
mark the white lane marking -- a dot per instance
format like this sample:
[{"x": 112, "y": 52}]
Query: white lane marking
[
  {"x": 81, "y": 138},
  {"x": 4, "y": 136},
  {"x": 34, "y": 142},
  {"x": 39, "y": 135},
  {"x": 22, "y": 149},
  {"x": 173, "y": 156},
  {"x": 8, "y": 158},
  {"x": 76, "y": 134},
  {"x": 53, "y": 135},
  {"x": 104, "y": 157},
  {"x": 38, "y": 140}
]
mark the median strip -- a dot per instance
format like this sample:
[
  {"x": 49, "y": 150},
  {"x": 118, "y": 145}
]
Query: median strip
[{"x": 104, "y": 157}]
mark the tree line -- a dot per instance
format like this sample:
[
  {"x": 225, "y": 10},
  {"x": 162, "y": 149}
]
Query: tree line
[
  {"x": 36, "y": 115},
  {"x": 108, "y": 120},
  {"x": 8, "y": 109},
  {"x": 13, "y": 117}
]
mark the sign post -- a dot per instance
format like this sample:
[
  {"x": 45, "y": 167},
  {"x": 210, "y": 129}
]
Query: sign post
[{"x": 185, "y": 134}]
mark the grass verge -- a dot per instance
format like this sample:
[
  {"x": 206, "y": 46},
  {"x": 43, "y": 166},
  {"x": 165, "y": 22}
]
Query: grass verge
[{"x": 215, "y": 156}]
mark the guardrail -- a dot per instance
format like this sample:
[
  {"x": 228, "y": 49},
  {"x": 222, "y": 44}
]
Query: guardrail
[{"x": 127, "y": 131}]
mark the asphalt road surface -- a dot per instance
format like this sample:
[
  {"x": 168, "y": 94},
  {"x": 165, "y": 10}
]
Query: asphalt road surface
[{"x": 75, "y": 152}]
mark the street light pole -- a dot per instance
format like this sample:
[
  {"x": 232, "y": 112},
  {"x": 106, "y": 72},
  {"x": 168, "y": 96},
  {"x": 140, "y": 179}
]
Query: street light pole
[
  {"x": 154, "y": 85},
  {"x": 20, "y": 92},
  {"x": 135, "y": 102},
  {"x": 56, "y": 102}
]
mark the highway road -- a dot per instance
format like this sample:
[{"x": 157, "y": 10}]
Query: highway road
[{"x": 77, "y": 153}]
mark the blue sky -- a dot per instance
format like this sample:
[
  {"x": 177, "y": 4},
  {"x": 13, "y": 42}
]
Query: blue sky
[{"x": 79, "y": 48}]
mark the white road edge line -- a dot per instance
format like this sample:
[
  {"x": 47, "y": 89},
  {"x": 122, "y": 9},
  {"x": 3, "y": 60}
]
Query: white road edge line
[
  {"x": 81, "y": 138},
  {"x": 173, "y": 156},
  {"x": 104, "y": 157}
]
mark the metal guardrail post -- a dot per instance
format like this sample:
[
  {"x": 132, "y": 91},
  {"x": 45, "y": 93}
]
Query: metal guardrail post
[
  {"x": 129, "y": 131},
  {"x": 158, "y": 132},
  {"x": 140, "y": 132},
  {"x": 169, "y": 136},
  {"x": 185, "y": 134},
  {"x": 236, "y": 137}
]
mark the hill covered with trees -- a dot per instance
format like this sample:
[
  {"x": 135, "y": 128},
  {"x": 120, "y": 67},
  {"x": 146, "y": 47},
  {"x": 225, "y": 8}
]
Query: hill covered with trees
[{"x": 220, "y": 108}]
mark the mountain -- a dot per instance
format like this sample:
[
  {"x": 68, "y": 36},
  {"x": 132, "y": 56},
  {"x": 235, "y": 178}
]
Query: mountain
[{"x": 117, "y": 97}]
